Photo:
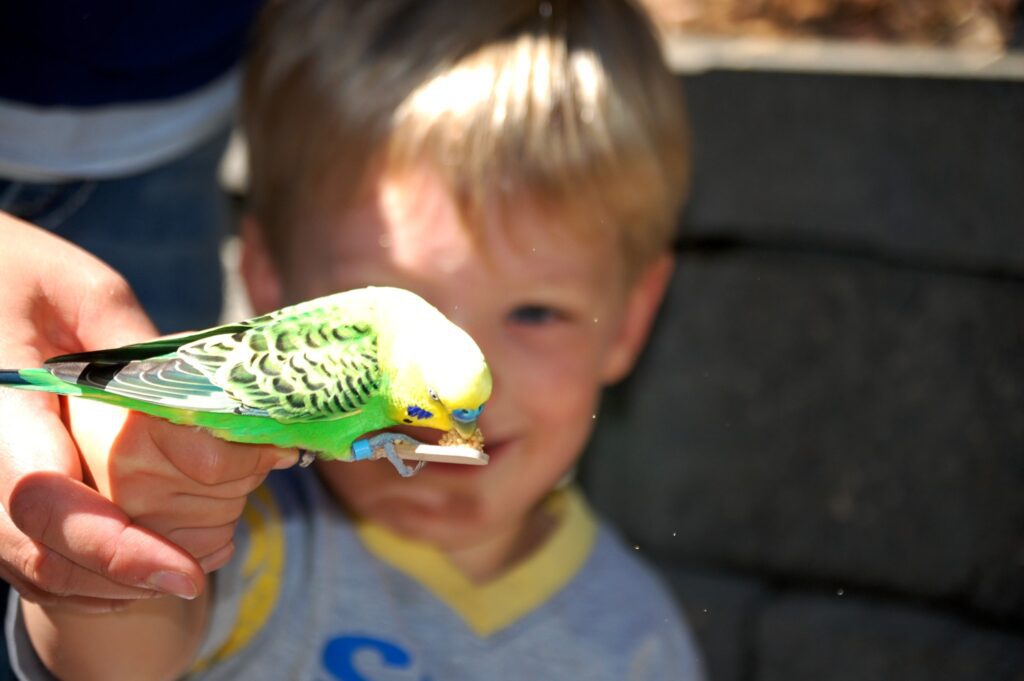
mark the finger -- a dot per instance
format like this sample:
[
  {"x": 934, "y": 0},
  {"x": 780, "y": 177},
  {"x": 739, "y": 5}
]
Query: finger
[
  {"x": 195, "y": 512},
  {"x": 79, "y": 524},
  {"x": 164, "y": 505},
  {"x": 82, "y": 604},
  {"x": 133, "y": 460},
  {"x": 109, "y": 314},
  {"x": 82, "y": 305},
  {"x": 89, "y": 299},
  {"x": 202, "y": 541},
  {"x": 40, "y": 574},
  {"x": 210, "y": 461},
  {"x": 235, "y": 489},
  {"x": 217, "y": 559}
]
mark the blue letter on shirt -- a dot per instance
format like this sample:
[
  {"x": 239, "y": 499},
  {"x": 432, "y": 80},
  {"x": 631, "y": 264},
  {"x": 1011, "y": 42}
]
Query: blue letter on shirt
[{"x": 339, "y": 654}]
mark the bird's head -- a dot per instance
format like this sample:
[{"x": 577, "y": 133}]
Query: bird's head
[
  {"x": 442, "y": 380},
  {"x": 460, "y": 386}
]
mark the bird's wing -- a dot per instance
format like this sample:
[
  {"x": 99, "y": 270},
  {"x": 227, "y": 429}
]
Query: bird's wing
[
  {"x": 166, "y": 381},
  {"x": 292, "y": 369},
  {"x": 152, "y": 372},
  {"x": 289, "y": 364}
]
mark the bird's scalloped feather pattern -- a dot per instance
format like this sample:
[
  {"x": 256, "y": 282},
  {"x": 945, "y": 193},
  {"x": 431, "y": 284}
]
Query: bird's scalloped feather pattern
[
  {"x": 313, "y": 361},
  {"x": 293, "y": 371}
]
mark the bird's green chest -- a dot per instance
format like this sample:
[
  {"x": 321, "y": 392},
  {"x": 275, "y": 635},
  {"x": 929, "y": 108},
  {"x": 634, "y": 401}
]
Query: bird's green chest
[{"x": 330, "y": 438}]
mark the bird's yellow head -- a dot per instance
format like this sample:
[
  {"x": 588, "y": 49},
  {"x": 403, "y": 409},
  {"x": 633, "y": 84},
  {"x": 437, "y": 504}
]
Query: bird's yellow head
[{"x": 440, "y": 378}]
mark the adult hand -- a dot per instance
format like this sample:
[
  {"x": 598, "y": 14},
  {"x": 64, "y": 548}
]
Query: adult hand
[
  {"x": 60, "y": 539},
  {"x": 174, "y": 480}
]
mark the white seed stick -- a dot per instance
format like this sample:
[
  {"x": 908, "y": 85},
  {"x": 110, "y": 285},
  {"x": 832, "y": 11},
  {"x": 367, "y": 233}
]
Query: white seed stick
[{"x": 437, "y": 453}]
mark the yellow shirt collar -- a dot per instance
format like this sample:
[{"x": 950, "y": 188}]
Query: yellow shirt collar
[{"x": 489, "y": 607}]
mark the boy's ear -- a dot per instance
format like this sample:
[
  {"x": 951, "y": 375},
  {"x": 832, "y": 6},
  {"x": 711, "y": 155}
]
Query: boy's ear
[
  {"x": 642, "y": 303},
  {"x": 259, "y": 271}
]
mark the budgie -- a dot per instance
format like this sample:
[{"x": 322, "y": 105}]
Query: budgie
[{"x": 315, "y": 376}]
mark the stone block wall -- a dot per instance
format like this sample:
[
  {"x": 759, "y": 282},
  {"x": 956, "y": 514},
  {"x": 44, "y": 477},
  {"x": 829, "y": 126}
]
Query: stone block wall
[{"x": 823, "y": 446}]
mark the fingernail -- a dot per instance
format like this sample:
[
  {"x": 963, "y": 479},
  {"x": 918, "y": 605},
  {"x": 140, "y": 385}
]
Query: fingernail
[
  {"x": 286, "y": 462},
  {"x": 175, "y": 584}
]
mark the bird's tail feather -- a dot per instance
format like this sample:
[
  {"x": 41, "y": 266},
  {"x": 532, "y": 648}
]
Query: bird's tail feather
[
  {"x": 37, "y": 379},
  {"x": 12, "y": 377}
]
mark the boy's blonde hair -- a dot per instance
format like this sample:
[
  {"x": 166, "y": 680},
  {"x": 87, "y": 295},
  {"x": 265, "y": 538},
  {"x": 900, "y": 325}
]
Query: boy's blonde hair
[{"x": 563, "y": 103}]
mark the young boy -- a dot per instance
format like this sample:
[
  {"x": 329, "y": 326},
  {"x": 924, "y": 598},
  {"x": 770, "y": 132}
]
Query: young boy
[{"x": 521, "y": 166}]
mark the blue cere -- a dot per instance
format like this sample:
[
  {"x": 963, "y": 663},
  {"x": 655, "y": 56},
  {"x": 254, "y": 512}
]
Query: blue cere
[
  {"x": 467, "y": 415},
  {"x": 417, "y": 412}
]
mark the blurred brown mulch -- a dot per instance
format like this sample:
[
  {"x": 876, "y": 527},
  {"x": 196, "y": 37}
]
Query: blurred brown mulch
[{"x": 984, "y": 24}]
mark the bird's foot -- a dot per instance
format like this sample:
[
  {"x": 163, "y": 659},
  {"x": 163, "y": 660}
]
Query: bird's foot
[
  {"x": 306, "y": 458},
  {"x": 386, "y": 442}
]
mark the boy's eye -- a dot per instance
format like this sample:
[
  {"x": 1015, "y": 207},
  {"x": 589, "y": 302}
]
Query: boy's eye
[{"x": 534, "y": 315}]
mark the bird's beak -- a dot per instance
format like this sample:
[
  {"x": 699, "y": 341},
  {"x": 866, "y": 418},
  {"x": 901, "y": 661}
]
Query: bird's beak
[
  {"x": 465, "y": 421},
  {"x": 465, "y": 428}
]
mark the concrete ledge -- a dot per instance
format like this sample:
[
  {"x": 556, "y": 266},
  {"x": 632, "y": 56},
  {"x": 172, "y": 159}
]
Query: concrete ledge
[{"x": 693, "y": 54}]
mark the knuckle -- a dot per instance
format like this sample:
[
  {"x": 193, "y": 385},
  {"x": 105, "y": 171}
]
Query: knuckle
[
  {"x": 47, "y": 572},
  {"x": 223, "y": 536},
  {"x": 235, "y": 488},
  {"x": 111, "y": 554},
  {"x": 202, "y": 542},
  {"x": 211, "y": 513},
  {"x": 233, "y": 509},
  {"x": 223, "y": 462},
  {"x": 226, "y": 512},
  {"x": 209, "y": 468},
  {"x": 113, "y": 286},
  {"x": 218, "y": 559},
  {"x": 267, "y": 459},
  {"x": 249, "y": 484}
]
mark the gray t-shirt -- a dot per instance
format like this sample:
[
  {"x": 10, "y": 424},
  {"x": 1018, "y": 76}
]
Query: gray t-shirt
[{"x": 311, "y": 595}]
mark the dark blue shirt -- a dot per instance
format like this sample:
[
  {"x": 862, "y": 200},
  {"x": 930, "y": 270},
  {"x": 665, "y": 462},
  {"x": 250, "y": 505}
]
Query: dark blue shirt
[{"x": 81, "y": 53}]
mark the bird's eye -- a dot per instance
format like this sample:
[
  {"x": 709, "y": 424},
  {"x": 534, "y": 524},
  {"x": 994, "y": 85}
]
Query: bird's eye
[{"x": 433, "y": 395}]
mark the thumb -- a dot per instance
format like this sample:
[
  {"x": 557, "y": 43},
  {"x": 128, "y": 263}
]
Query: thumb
[{"x": 78, "y": 523}]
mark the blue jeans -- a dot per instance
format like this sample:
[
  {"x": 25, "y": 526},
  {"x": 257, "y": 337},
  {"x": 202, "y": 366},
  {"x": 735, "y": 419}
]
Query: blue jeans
[{"x": 161, "y": 229}]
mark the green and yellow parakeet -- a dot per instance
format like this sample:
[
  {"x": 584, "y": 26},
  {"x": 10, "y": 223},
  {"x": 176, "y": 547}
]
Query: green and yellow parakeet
[{"x": 315, "y": 376}]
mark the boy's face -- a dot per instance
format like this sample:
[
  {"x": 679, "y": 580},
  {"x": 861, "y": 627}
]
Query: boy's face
[{"x": 551, "y": 313}]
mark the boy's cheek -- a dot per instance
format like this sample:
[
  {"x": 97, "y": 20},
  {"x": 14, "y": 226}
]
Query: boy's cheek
[{"x": 258, "y": 269}]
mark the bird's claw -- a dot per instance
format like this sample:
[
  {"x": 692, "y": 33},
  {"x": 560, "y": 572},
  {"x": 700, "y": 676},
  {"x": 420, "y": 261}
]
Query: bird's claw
[
  {"x": 306, "y": 458},
  {"x": 386, "y": 442}
]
